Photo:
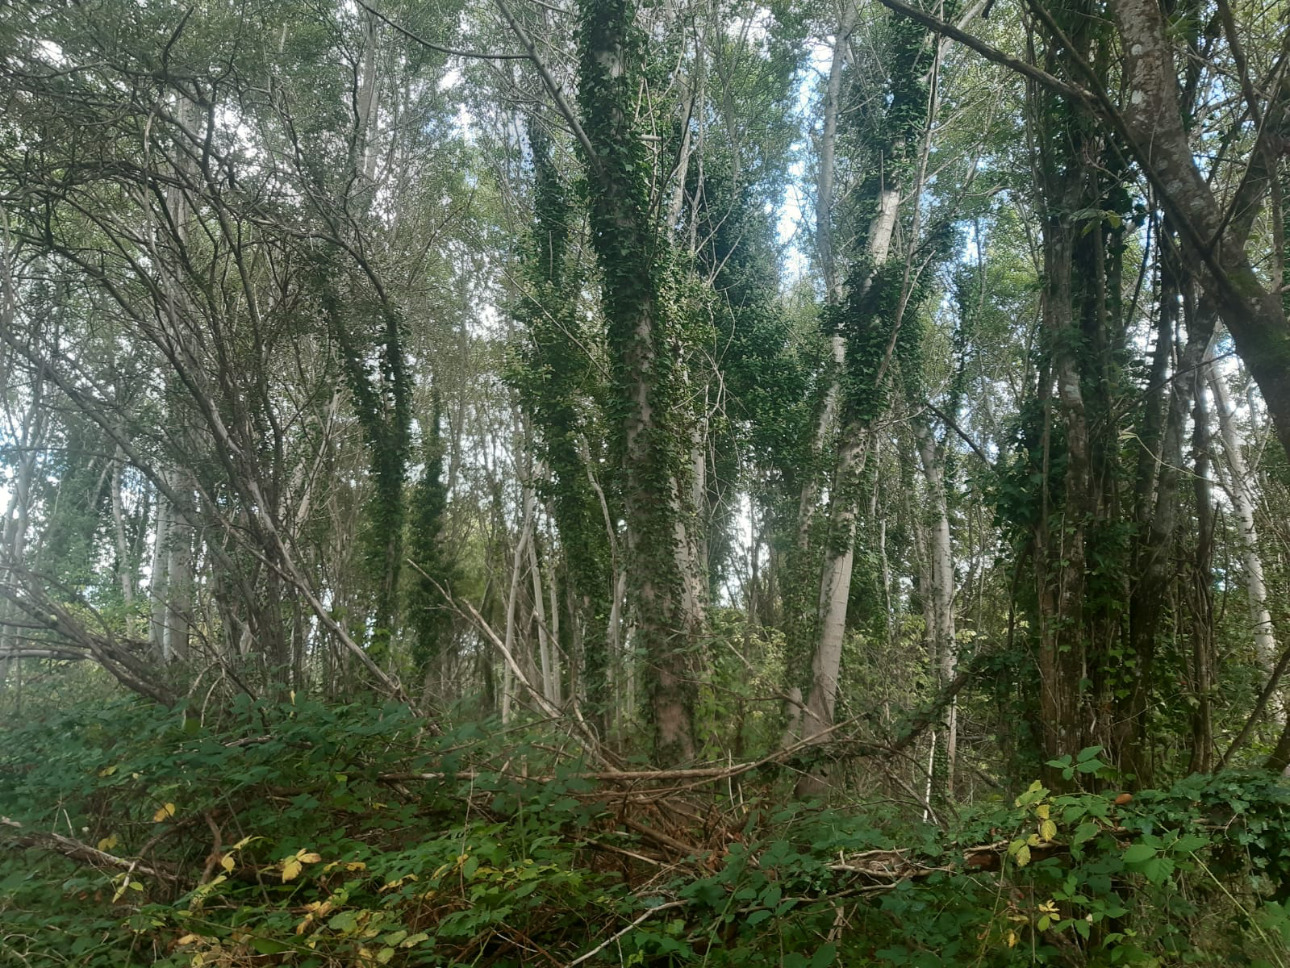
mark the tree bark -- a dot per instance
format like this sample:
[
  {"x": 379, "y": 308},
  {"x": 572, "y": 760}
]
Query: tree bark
[{"x": 1213, "y": 244}]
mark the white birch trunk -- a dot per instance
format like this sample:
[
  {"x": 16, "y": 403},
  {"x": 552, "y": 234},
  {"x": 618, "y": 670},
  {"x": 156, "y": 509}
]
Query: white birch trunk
[
  {"x": 1236, "y": 480},
  {"x": 157, "y": 577}
]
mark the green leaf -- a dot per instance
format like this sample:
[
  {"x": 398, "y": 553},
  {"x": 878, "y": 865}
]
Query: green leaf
[
  {"x": 1085, "y": 832},
  {"x": 267, "y": 946},
  {"x": 1137, "y": 853}
]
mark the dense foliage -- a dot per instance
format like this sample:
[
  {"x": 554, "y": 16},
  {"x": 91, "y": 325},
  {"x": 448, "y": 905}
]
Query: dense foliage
[
  {"x": 309, "y": 834},
  {"x": 644, "y": 481}
]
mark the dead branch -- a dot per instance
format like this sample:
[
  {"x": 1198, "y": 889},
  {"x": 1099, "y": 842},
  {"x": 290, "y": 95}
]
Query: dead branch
[{"x": 81, "y": 853}]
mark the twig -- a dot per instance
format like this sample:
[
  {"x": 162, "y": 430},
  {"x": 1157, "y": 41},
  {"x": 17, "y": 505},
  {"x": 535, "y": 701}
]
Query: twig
[
  {"x": 614, "y": 937},
  {"x": 430, "y": 45}
]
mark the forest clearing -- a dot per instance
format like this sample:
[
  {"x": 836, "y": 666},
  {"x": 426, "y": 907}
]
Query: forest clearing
[{"x": 644, "y": 482}]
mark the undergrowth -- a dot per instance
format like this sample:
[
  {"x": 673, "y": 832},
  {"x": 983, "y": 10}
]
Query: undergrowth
[{"x": 316, "y": 835}]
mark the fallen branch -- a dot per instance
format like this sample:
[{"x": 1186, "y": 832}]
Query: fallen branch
[{"x": 81, "y": 853}]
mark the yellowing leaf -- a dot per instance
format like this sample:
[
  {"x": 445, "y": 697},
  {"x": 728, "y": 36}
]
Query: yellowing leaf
[
  {"x": 1042, "y": 811},
  {"x": 349, "y": 865},
  {"x": 1048, "y": 830},
  {"x": 107, "y": 771},
  {"x": 243, "y": 842},
  {"x": 189, "y": 939},
  {"x": 164, "y": 813},
  {"x": 291, "y": 869},
  {"x": 384, "y": 955},
  {"x": 1023, "y": 856},
  {"x": 107, "y": 843},
  {"x": 1012, "y": 939},
  {"x": 309, "y": 858},
  {"x": 227, "y": 863}
]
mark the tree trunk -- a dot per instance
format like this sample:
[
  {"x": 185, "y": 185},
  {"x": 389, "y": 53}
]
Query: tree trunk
[
  {"x": 124, "y": 560},
  {"x": 1214, "y": 246},
  {"x": 825, "y": 249},
  {"x": 1203, "y": 659},
  {"x": 650, "y": 432},
  {"x": 940, "y": 594},
  {"x": 1239, "y": 485},
  {"x": 159, "y": 573}
]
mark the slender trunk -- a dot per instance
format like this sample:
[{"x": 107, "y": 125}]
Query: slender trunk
[
  {"x": 1148, "y": 599},
  {"x": 16, "y": 522},
  {"x": 179, "y": 578},
  {"x": 175, "y": 620},
  {"x": 1202, "y": 657},
  {"x": 826, "y": 254},
  {"x": 1239, "y": 486},
  {"x": 550, "y": 667},
  {"x": 940, "y": 596},
  {"x": 124, "y": 560},
  {"x": 518, "y": 563},
  {"x": 158, "y": 575},
  {"x": 839, "y": 554}
]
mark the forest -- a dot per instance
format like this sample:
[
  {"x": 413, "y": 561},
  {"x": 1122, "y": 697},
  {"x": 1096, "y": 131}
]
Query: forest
[{"x": 644, "y": 482}]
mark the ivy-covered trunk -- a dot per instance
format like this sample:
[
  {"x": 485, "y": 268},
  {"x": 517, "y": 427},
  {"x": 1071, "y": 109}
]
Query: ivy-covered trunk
[
  {"x": 560, "y": 387},
  {"x": 644, "y": 369},
  {"x": 870, "y": 323}
]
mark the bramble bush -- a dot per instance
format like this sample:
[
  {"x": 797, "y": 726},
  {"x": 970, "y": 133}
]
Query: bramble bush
[{"x": 306, "y": 834}]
